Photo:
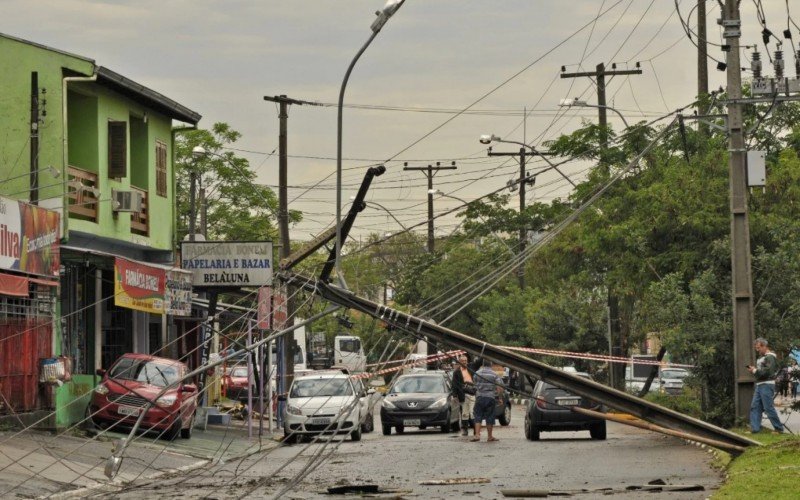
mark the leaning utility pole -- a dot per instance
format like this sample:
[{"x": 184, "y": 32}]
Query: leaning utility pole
[
  {"x": 284, "y": 346},
  {"x": 742, "y": 289},
  {"x": 430, "y": 172},
  {"x": 599, "y": 76}
]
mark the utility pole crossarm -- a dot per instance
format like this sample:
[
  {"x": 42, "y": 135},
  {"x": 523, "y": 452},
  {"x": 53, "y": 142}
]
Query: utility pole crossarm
[
  {"x": 282, "y": 99},
  {"x": 608, "y": 73}
]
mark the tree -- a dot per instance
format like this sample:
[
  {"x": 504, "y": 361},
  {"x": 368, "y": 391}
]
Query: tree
[{"x": 236, "y": 207}]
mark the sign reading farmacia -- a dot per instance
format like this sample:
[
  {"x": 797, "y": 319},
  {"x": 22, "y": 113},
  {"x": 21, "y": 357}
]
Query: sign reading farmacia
[{"x": 228, "y": 264}]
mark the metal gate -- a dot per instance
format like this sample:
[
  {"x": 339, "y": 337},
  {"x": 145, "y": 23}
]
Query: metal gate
[{"x": 23, "y": 342}]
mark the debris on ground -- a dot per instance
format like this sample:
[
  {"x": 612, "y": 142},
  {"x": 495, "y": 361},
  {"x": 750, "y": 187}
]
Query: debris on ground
[{"x": 455, "y": 480}]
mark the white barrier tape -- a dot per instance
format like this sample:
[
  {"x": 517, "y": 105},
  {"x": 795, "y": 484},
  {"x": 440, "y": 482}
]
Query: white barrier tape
[
  {"x": 596, "y": 357},
  {"x": 434, "y": 357}
]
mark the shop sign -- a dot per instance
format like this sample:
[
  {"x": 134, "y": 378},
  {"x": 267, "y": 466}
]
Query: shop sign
[
  {"x": 264, "y": 307},
  {"x": 29, "y": 238},
  {"x": 223, "y": 264},
  {"x": 139, "y": 286},
  {"x": 178, "y": 292}
]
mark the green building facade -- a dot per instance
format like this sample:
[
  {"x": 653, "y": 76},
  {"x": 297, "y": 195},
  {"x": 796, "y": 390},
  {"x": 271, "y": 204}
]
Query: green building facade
[{"x": 105, "y": 162}]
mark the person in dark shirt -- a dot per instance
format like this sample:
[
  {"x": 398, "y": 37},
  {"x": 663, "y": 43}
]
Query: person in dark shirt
[{"x": 764, "y": 371}]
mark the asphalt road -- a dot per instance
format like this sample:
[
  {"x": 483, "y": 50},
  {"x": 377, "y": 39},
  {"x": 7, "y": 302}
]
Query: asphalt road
[{"x": 560, "y": 461}]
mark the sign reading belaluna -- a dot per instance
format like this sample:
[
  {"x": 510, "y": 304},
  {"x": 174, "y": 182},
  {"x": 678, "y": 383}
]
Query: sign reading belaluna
[{"x": 233, "y": 264}]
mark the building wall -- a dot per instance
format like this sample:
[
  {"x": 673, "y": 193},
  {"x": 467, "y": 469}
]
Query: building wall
[
  {"x": 145, "y": 127},
  {"x": 17, "y": 61}
]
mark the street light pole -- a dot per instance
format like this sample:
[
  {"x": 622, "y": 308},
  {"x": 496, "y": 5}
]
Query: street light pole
[{"x": 382, "y": 16}]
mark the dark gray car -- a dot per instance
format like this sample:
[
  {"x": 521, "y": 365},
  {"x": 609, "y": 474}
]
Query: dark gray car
[
  {"x": 549, "y": 410},
  {"x": 420, "y": 400}
]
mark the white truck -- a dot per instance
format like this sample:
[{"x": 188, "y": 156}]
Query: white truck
[{"x": 347, "y": 352}]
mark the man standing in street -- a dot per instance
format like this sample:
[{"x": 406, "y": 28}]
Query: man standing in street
[
  {"x": 765, "y": 371},
  {"x": 465, "y": 392},
  {"x": 486, "y": 385}
]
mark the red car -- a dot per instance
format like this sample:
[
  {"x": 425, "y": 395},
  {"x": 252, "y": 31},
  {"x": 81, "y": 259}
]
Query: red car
[
  {"x": 234, "y": 383},
  {"x": 135, "y": 379}
]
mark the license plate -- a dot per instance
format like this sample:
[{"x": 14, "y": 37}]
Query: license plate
[
  {"x": 320, "y": 421},
  {"x": 128, "y": 410},
  {"x": 412, "y": 422},
  {"x": 568, "y": 402}
]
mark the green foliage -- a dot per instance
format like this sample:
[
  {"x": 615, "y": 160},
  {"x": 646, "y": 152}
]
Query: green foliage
[
  {"x": 768, "y": 471},
  {"x": 687, "y": 402},
  {"x": 236, "y": 207}
]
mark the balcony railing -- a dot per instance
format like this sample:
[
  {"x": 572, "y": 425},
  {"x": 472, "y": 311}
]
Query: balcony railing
[
  {"x": 140, "y": 219},
  {"x": 82, "y": 194}
]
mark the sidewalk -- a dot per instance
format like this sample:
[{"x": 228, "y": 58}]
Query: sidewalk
[{"x": 64, "y": 464}]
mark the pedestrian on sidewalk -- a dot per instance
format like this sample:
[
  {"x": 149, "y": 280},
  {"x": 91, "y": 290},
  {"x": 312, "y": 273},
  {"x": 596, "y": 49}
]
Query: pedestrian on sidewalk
[
  {"x": 487, "y": 383},
  {"x": 765, "y": 370},
  {"x": 464, "y": 390},
  {"x": 794, "y": 376}
]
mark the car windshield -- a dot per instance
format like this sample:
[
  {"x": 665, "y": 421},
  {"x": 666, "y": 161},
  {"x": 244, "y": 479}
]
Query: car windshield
[
  {"x": 239, "y": 372},
  {"x": 321, "y": 387},
  {"x": 142, "y": 370},
  {"x": 674, "y": 374},
  {"x": 418, "y": 384}
]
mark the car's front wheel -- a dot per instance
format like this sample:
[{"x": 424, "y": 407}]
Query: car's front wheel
[
  {"x": 187, "y": 433},
  {"x": 400, "y": 429},
  {"x": 369, "y": 424},
  {"x": 387, "y": 429},
  {"x": 356, "y": 434},
  {"x": 505, "y": 418}
]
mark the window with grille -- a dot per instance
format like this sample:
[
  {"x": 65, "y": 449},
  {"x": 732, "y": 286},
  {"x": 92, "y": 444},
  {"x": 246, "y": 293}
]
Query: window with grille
[
  {"x": 161, "y": 168},
  {"x": 117, "y": 150}
]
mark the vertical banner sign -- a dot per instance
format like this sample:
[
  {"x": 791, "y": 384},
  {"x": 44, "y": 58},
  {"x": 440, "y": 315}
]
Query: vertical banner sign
[
  {"x": 279, "y": 310},
  {"x": 139, "y": 286},
  {"x": 264, "y": 307},
  {"x": 29, "y": 238},
  {"x": 178, "y": 293}
]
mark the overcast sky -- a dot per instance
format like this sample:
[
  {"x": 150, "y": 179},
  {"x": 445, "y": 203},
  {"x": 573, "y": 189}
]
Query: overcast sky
[{"x": 433, "y": 58}]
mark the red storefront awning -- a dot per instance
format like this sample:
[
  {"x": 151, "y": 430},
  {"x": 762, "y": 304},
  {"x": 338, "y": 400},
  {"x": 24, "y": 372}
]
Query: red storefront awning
[{"x": 16, "y": 286}]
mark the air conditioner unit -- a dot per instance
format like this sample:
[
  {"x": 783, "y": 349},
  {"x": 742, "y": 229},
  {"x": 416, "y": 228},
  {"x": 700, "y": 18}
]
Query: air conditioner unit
[{"x": 126, "y": 201}]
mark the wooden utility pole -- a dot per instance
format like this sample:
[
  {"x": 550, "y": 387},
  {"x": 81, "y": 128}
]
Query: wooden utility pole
[
  {"x": 742, "y": 287},
  {"x": 702, "y": 64},
  {"x": 599, "y": 77},
  {"x": 286, "y": 347},
  {"x": 430, "y": 171},
  {"x": 34, "y": 178},
  {"x": 523, "y": 236}
]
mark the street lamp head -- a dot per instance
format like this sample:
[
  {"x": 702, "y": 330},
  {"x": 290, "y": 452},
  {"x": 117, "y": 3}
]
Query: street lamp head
[
  {"x": 566, "y": 103},
  {"x": 488, "y": 138},
  {"x": 199, "y": 152},
  {"x": 434, "y": 191},
  {"x": 384, "y": 14}
]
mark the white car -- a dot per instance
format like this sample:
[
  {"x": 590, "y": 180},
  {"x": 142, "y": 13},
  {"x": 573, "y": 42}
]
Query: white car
[
  {"x": 671, "y": 380},
  {"x": 323, "y": 402}
]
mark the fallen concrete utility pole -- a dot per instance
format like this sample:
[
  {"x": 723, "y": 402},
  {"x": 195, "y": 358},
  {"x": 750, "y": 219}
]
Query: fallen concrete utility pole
[
  {"x": 613, "y": 398},
  {"x": 655, "y": 428}
]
